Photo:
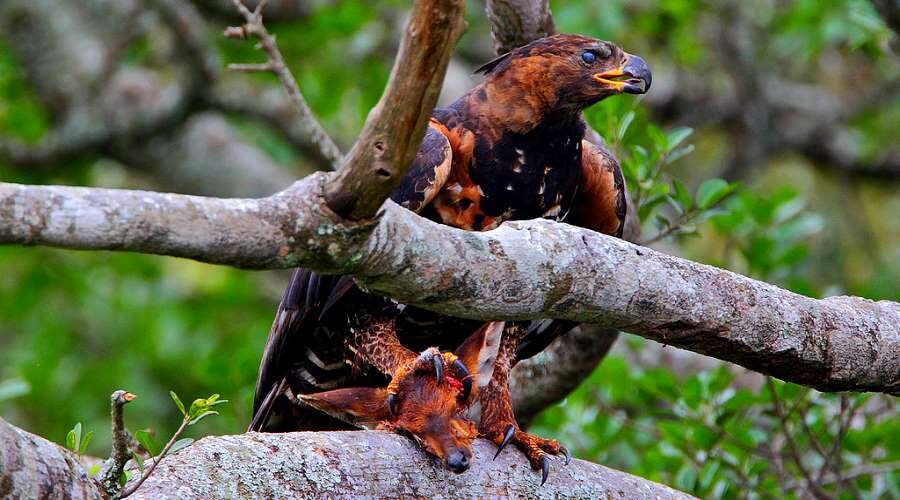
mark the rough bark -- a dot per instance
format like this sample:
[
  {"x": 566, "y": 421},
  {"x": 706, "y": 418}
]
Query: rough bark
[
  {"x": 517, "y": 22},
  {"x": 311, "y": 464},
  {"x": 527, "y": 270},
  {"x": 391, "y": 136},
  {"x": 32, "y": 467},
  {"x": 373, "y": 464}
]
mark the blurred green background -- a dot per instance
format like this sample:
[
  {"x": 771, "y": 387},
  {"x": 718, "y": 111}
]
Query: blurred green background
[{"x": 793, "y": 102}]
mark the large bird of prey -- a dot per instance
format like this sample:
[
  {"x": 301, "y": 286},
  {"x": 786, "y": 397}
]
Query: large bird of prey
[{"x": 511, "y": 148}]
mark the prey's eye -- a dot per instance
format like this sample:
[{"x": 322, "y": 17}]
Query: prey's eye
[{"x": 588, "y": 57}]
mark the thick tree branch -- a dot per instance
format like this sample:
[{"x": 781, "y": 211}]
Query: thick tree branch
[
  {"x": 527, "y": 270},
  {"x": 391, "y": 136},
  {"x": 32, "y": 467},
  {"x": 311, "y": 464}
]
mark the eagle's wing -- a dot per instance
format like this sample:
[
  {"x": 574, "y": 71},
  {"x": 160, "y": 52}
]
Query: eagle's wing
[
  {"x": 298, "y": 324},
  {"x": 600, "y": 205},
  {"x": 429, "y": 170},
  {"x": 290, "y": 340}
]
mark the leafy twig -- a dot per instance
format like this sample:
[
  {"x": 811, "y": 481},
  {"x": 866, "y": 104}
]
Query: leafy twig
[
  {"x": 199, "y": 410},
  {"x": 254, "y": 26}
]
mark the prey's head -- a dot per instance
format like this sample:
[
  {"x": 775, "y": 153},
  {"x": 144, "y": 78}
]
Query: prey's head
[
  {"x": 565, "y": 72},
  {"x": 427, "y": 400}
]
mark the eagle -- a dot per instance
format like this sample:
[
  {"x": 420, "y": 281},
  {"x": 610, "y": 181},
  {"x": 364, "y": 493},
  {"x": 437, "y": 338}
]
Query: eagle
[{"x": 511, "y": 148}]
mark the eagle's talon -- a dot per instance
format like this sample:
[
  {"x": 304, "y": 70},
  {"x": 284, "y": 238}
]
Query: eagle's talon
[
  {"x": 545, "y": 468},
  {"x": 392, "y": 404},
  {"x": 566, "y": 453},
  {"x": 507, "y": 437},
  {"x": 438, "y": 361},
  {"x": 465, "y": 376}
]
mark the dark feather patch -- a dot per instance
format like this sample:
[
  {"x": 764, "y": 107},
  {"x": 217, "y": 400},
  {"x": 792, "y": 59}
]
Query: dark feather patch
[{"x": 489, "y": 66}]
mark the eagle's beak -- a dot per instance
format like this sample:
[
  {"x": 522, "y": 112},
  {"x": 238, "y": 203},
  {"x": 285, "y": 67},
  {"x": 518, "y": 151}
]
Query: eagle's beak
[{"x": 633, "y": 77}]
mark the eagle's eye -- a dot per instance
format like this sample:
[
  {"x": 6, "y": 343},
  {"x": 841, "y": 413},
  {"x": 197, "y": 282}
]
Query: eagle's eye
[{"x": 588, "y": 57}]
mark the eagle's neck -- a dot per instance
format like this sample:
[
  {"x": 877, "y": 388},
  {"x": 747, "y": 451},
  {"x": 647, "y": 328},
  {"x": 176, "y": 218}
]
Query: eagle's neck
[{"x": 519, "y": 105}]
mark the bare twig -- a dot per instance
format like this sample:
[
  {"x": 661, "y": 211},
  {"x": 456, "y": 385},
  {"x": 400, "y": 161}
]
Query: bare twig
[
  {"x": 254, "y": 26},
  {"x": 793, "y": 451},
  {"x": 120, "y": 443},
  {"x": 252, "y": 68},
  {"x": 851, "y": 473},
  {"x": 269, "y": 105}
]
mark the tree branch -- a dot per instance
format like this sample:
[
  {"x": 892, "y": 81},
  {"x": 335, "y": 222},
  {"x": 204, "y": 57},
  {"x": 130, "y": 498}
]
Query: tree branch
[
  {"x": 391, "y": 136},
  {"x": 551, "y": 375},
  {"x": 349, "y": 463},
  {"x": 32, "y": 467},
  {"x": 527, "y": 270},
  {"x": 517, "y": 22}
]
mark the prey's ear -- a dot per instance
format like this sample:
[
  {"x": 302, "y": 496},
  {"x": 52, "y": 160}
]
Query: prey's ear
[
  {"x": 479, "y": 351},
  {"x": 361, "y": 406}
]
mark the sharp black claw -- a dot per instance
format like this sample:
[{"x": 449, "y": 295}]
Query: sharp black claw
[
  {"x": 510, "y": 432},
  {"x": 392, "y": 404},
  {"x": 545, "y": 469},
  {"x": 565, "y": 451},
  {"x": 466, "y": 378},
  {"x": 438, "y": 368}
]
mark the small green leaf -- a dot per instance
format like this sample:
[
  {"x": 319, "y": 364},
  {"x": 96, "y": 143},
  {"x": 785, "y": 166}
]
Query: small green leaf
[
  {"x": 683, "y": 195},
  {"x": 197, "y": 407},
  {"x": 138, "y": 460},
  {"x": 70, "y": 440},
  {"x": 85, "y": 441},
  {"x": 712, "y": 191},
  {"x": 624, "y": 124},
  {"x": 677, "y": 136},
  {"x": 202, "y": 416},
  {"x": 143, "y": 437},
  {"x": 679, "y": 153},
  {"x": 178, "y": 402},
  {"x": 180, "y": 445},
  {"x": 94, "y": 470},
  {"x": 686, "y": 478}
]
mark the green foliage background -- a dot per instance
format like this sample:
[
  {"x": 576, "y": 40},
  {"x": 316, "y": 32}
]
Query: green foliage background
[{"x": 74, "y": 326}]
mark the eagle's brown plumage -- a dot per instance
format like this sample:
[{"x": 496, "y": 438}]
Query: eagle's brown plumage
[{"x": 511, "y": 148}]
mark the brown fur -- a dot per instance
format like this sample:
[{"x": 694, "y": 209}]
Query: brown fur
[{"x": 433, "y": 413}]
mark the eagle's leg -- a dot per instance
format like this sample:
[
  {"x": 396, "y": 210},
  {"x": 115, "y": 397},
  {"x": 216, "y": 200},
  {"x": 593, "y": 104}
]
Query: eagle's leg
[{"x": 498, "y": 423}]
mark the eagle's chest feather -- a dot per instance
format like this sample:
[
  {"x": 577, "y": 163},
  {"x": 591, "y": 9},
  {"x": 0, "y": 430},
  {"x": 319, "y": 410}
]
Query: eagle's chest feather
[{"x": 516, "y": 177}]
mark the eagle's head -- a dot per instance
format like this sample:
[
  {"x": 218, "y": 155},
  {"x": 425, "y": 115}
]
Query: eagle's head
[{"x": 564, "y": 73}]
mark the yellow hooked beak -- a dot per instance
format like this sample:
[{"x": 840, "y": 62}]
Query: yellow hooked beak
[{"x": 633, "y": 77}]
